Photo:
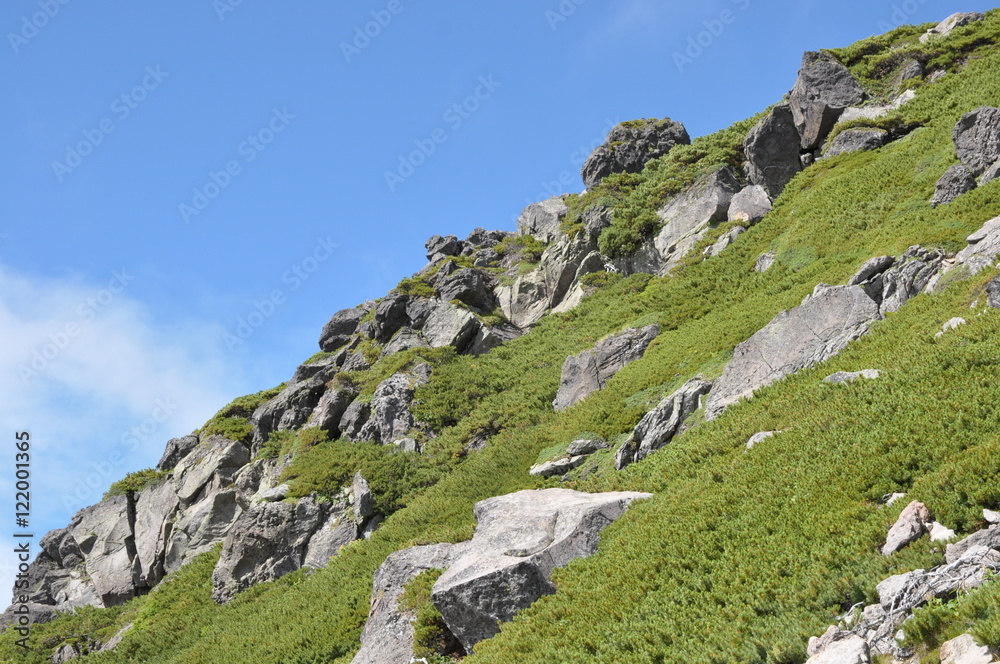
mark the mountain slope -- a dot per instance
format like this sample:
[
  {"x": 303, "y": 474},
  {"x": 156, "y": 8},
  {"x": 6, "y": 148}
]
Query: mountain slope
[{"x": 739, "y": 556}]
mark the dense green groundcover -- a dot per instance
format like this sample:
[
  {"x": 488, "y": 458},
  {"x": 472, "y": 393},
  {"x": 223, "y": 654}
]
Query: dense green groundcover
[{"x": 740, "y": 556}]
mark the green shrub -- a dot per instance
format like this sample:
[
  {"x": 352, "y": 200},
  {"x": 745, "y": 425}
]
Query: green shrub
[{"x": 136, "y": 482}]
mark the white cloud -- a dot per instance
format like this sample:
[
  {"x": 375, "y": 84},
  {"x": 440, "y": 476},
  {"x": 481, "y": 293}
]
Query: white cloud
[{"x": 100, "y": 385}]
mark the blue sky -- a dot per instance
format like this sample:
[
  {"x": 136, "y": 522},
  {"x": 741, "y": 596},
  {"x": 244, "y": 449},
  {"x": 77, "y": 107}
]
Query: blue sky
[{"x": 190, "y": 190}]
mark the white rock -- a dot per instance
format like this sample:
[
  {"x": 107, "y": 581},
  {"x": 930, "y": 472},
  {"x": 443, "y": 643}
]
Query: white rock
[
  {"x": 964, "y": 650},
  {"x": 951, "y": 325},
  {"x": 940, "y": 533}
]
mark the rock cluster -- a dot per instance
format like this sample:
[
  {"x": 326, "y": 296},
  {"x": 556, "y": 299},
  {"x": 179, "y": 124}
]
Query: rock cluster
[
  {"x": 630, "y": 145},
  {"x": 519, "y": 540},
  {"x": 977, "y": 145}
]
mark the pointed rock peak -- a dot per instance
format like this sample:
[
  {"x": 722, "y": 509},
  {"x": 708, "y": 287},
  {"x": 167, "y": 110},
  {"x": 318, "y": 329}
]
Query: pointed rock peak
[{"x": 630, "y": 145}]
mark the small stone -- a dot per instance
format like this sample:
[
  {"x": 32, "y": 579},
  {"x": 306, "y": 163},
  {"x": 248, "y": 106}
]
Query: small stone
[
  {"x": 585, "y": 446},
  {"x": 759, "y": 438},
  {"x": 911, "y": 526},
  {"x": 765, "y": 262},
  {"x": 940, "y": 533},
  {"x": 950, "y": 325},
  {"x": 557, "y": 467},
  {"x": 842, "y": 377},
  {"x": 990, "y": 516}
]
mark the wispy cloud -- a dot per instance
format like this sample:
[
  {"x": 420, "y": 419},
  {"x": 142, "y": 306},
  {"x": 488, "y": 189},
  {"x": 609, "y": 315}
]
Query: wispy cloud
[{"x": 100, "y": 385}]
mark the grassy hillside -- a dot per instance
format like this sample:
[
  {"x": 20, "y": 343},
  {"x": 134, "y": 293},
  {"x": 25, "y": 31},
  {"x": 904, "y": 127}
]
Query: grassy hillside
[{"x": 740, "y": 556}]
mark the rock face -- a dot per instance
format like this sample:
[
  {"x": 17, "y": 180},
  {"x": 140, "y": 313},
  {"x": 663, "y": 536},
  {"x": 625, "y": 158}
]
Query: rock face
[
  {"x": 542, "y": 220},
  {"x": 827, "y": 321},
  {"x": 387, "y": 418},
  {"x": 772, "y": 151},
  {"x": 977, "y": 138},
  {"x": 590, "y": 371},
  {"x": 944, "y": 28},
  {"x": 338, "y": 331},
  {"x": 660, "y": 425},
  {"x": 984, "y": 539},
  {"x": 177, "y": 449},
  {"x": 956, "y": 181},
  {"x": 388, "y": 634},
  {"x": 749, "y": 205},
  {"x": 520, "y": 539},
  {"x": 891, "y": 282},
  {"x": 856, "y": 140},
  {"x": 630, "y": 145},
  {"x": 822, "y": 92},
  {"x": 270, "y": 540},
  {"x": 984, "y": 246},
  {"x": 965, "y": 650},
  {"x": 911, "y": 526},
  {"x": 289, "y": 410}
]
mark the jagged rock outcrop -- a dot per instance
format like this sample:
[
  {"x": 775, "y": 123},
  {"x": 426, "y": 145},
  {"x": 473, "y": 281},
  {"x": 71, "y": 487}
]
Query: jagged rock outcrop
[
  {"x": 983, "y": 539},
  {"x": 891, "y": 282},
  {"x": 821, "y": 327},
  {"x": 337, "y": 332},
  {"x": 387, "y": 417},
  {"x": 630, "y": 145},
  {"x": 520, "y": 539},
  {"x": 660, "y": 425},
  {"x": 944, "y": 28},
  {"x": 983, "y": 249},
  {"x": 977, "y": 139},
  {"x": 957, "y": 180},
  {"x": 749, "y": 205},
  {"x": 772, "y": 151},
  {"x": 176, "y": 449},
  {"x": 856, "y": 140},
  {"x": 590, "y": 370},
  {"x": 290, "y": 409},
  {"x": 330, "y": 409},
  {"x": 823, "y": 90},
  {"x": 439, "y": 247},
  {"x": 912, "y": 524},
  {"x": 388, "y": 633},
  {"x": 725, "y": 241},
  {"x": 543, "y": 220}
]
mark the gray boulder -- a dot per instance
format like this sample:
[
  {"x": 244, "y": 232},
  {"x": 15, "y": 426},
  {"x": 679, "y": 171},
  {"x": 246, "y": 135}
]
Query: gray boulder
[
  {"x": 176, "y": 449},
  {"x": 449, "y": 325},
  {"x": 586, "y": 446},
  {"x": 749, "y": 205},
  {"x": 856, "y": 140},
  {"x": 338, "y": 331},
  {"x": 468, "y": 286},
  {"x": 388, "y": 633},
  {"x": 290, "y": 409},
  {"x": 268, "y": 541},
  {"x": 993, "y": 293},
  {"x": 891, "y": 282},
  {"x": 590, "y": 370},
  {"x": 843, "y": 377},
  {"x": 984, "y": 539},
  {"x": 689, "y": 216},
  {"x": 330, "y": 410},
  {"x": 977, "y": 138},
  {"x": 772, "y": 151},
  {"x": 520, "y": 539},
  {"x": 439, "y": 248},
  {"x": 821, "y": 327},
  {"x": 336, "y": 532},
  {"x": 945, "y": 27},
  {"x": 991, "y": 174},
  {"x": 630, "y": 145},
  {"x": 724, "y": 241},
  {"x": 984, "y": 246},
  {"x": 558, "y": 467},
  {"x": 390, "y": 316},
  {"x": 851, "y": 650},
  {"x": 956, "y": 181},
  {"x": 215, "y": 460},
  {"x": 759, "y": 438},
  {"x": 765, "y": 261},
  {"x": 660, "y": 425},
  {"x": 390, "y": 418},
  {"x": 480, "y": 237},
  {"x": 543, "y": 220},
  {"x": 823, "y": 90},
  {"x": 964, "y": 650},
  {"x": 200, "y": 527},
  {"x": 912, "y": 525},
  {"x": 103, "y": 533}
]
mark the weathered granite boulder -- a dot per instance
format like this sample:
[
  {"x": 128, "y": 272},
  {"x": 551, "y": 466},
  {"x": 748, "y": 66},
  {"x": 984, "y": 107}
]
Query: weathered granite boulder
[
  {"x": 945, "y": 27},
  {"x": 290, "y": 409},
  {"x": 330, "y": 409},
  {"x": 590, "y": 370},
  {"x": 983, "y": 249},
  {"x": 851, "y": 650},
  {"x": 749, "y": 205},
  {"x": 215, "y": 460},
  {"x": 964, "y": 650},
  {"x": 977, "y": 138},
  {"x": 543, "y": 220},
  {"x": 557, "y": 467},
  {"x": 469, "y": 286},
  {"x": 856, "y": 140},
  {"x": 586, "y": 446},
  {"x": 821, "y": 327},
  {"x": 843, "y": 377},
  {"x": 200, "y": 526},
  {"x": 449, "y": 325},
  {"x": 891, "y": 282},
  {"x": 520, "y": 539},
  {"x": 176, "y": 449},
  {"x": 388, "y": 633},
  {"x": 660, "y": 425},
  {"x": 439, "y": 248},
  {"x": 991, "y": 174},
  {"x": 338, "y": 331},
  {"x": 987, "y": 539},
  {"x": 956, "y": 181},
  {"x": 772, "y": 151},
  {"x": 688, "y": 217},
  {"x": 911, "y": 526},
  {"x": 993, "y": 293},
  {"x": 390, "y": 418},
  {"x": 152, "y": 526},
  {"x": 765, "y": 261},
  {"x": 822, "y": 92},
  {"x": 630, "y": 145},
  {"x": 390, "y": 316}
]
